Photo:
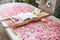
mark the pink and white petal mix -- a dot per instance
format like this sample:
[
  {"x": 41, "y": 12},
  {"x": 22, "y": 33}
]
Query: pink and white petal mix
[
  {"x": 45, "y": 29},
  {"x": 41, "y": 30}
]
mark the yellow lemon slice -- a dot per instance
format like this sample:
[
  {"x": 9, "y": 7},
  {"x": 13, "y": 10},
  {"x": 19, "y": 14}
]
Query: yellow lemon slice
[
  {"x": 17, "y": 33},
  {"x": 30, "y": 31}
]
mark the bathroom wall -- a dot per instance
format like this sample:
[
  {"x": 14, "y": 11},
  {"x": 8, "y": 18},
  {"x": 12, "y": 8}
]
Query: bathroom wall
[
  {"x": 5, "y": 1},
  {"x": 48, "y": 9},
  {"x": 57, "y": 9}
]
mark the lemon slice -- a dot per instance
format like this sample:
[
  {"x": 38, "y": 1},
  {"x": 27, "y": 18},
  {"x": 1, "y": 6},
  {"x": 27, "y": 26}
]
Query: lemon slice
[
  {"x": 17, "y": 33},
  {"x": 30, "y": 31}
]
